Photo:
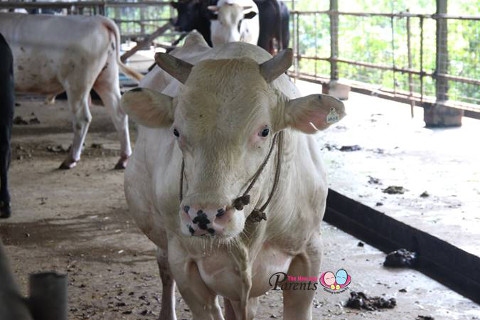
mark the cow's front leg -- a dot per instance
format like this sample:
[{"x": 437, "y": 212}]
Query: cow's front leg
[
  {"x": 234, "y": 310},
  {"x": 79, "y": 106},
  {"x": 107, "y": 88},
  {"x": 297, "y": 304},
  {"x": 203, "y": 303},
  {"x": 167, "y": 311}
]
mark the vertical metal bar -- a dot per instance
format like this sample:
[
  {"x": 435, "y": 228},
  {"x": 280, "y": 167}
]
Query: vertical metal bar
[
  {"x": 12, "y": 304},
  {"x": 316, "y": 42},
  {"x": 48, "y": 296},
  {"x": 333, "y": 39},
  {"x": 102, "y": 8},
  {"x": 393, "y": 55},
  {"x": 421, "y": 58},
  {"x": 441, "y": 84},
  {"x": 297, "y": 37},
  {"x": 142, "y": 18},
  {"x": 294, "y": 40},
  {"x": 409, "y": 56}
]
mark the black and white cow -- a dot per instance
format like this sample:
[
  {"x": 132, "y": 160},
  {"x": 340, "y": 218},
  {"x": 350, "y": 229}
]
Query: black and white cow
[
  {"x": 7, "y": 104},
  {"x": 194, "y": 15},
  {"x": 274, "y": 21}
]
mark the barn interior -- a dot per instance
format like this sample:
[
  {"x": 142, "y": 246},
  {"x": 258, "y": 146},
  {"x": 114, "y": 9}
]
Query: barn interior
[{"x": 397, "y": 178}]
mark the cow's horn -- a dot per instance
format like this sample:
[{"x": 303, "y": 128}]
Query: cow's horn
[
  {"x": 175, "y": 67},
  {"x": 273, "y": 68}
]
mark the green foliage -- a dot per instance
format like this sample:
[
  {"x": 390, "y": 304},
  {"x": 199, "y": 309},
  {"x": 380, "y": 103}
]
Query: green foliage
[{"x": 371, "y": 40}]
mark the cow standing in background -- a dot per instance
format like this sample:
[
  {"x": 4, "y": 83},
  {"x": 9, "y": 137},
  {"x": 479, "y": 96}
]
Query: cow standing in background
[
  {"x": 273, "y": 19},
  {"x": 194, "y": 15},
  {"x": 226, "y": 179},
  {"x": 7, "y": 98},
  {"x": 235, "y": 20},
  {"x": 274, "y": 25},
  {"x": 73, "y": 54}
]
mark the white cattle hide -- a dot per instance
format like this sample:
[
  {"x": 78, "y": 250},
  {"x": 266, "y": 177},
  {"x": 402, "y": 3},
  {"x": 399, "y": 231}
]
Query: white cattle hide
[{"x": 219, "y": 117}]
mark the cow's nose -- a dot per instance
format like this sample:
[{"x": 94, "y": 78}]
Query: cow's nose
[{"x": 202, "y": 220}]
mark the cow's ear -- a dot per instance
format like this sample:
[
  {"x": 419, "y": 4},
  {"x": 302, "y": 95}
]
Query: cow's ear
[
  {"x": 313, "y": 113},
  {"x": 148, "y": 107},
  {"x": 249, "y": 14}
]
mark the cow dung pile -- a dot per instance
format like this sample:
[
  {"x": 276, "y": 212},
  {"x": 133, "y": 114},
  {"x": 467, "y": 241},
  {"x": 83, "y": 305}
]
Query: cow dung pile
[
  {"x": 359, "y": 300},
  {"x": 401, "y": 258}
]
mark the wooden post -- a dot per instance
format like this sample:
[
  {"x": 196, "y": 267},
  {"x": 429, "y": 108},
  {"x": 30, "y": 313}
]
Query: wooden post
[
  {"x": 12, "y": 304},
  {"x": 48, "y": 296},
  {"x": 146, "y": 42},
  {"x": 437, "y": 115}
]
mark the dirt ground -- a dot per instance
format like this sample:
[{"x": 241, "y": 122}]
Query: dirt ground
[{"x": 76, "y": 222}]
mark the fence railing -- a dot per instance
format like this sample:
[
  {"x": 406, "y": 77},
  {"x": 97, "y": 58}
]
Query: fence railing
[
  {"x": 410, "y": 57},
  {"x": 415, "y": 58}
]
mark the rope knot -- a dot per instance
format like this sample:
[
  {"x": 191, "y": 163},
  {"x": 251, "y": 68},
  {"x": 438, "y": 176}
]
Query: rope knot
[
  {"x": 257, "y": 216},
  {"x": 240, "y": 202}
]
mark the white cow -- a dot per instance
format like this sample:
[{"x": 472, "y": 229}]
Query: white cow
[
  {"x": 236, "y": 20},
  {"x": 218, "y": 121},
  {"x": 73, "y": 54}
]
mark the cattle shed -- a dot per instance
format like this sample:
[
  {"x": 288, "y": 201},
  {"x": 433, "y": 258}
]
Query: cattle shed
[{"x": 402, "y": 167}]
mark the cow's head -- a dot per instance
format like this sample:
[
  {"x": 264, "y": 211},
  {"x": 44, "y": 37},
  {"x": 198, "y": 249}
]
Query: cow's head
[
  {"x": 223, "y": 120},
  {"x": 227, "y": 23}
]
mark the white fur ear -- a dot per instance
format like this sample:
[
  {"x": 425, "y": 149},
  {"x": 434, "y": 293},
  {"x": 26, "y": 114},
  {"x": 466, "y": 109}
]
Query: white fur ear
[
  {"x": 313, "y": 113},
  {"x": 148, "y": 107}
]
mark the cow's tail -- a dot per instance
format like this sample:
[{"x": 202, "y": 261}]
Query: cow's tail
[{"x": 129, "y": 72}]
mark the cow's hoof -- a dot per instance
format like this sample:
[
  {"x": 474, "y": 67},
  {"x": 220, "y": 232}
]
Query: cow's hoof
[
  {"x": 68, "y": 164},
  {"x": 5, "y": 211},
  {"x": 121, "y": 164}
]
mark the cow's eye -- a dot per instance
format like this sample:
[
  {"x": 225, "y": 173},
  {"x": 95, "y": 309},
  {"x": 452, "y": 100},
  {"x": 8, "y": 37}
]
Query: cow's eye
[
  {"x": 239, "y": 25},
  {"x": 264, "y": 132},
  {"x": 176, "y": 133}
]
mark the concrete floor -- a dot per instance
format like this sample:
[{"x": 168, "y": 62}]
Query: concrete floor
[
  {"x": 400, "y": 151},
  {"x": 394, "y": 148}
]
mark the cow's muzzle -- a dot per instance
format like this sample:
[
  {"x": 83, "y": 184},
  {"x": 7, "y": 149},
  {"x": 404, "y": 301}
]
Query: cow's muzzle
[
  {"x": 207, "y": 220},
  {"x": 210, "y": 220}
]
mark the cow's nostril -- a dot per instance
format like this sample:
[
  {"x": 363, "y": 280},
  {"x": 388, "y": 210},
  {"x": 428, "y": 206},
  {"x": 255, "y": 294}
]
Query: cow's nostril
[
  {"x": 220, "y": 212},
  {"x": 192, "y": 231},
  {"x": 211, "y": 231},
  {"x": 186, "y": 209}
]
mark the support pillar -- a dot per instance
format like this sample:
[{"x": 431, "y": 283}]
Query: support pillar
[{"x": 437, "y": 114}]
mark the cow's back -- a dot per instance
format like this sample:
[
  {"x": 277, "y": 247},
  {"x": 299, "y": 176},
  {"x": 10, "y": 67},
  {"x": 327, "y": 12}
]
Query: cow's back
[{"x": 49, "y": 48}]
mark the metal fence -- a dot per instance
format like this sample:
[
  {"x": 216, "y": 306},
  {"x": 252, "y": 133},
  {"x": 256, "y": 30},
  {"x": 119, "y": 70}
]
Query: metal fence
[{"x": 410, "y": 57}]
